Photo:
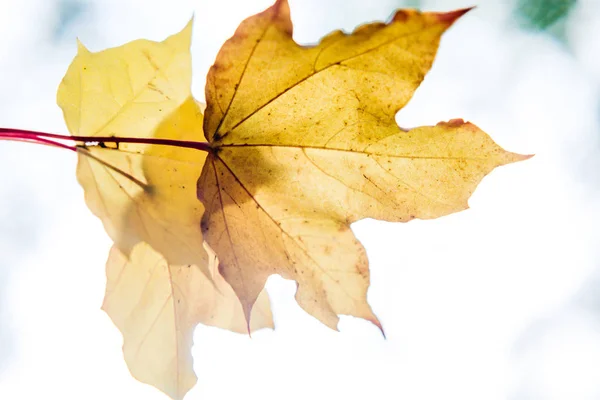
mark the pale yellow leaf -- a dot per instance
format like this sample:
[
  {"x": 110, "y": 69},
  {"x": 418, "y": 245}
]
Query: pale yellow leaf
[{"x": 156, "y": 306}]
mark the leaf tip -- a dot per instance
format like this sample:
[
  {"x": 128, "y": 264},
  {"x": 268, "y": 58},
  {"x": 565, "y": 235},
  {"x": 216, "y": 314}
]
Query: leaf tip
[
  {"x": 375, "y": 321},
  {"x": 247, "y": 307},
  {"x": 81, "y": 49},
  {"x": 176, "y": 395},
  {"x": 189, "y": 26},
  {"x": 281, "y": 5},
  {"x": 448, "y": 18},
  {"x": 515, "y": 157},
  {"x": 281, "y": 12},
  {"x": 183, "y": 38}
]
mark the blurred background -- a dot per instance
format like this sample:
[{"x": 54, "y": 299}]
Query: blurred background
[{"x": 497, "y": 302}]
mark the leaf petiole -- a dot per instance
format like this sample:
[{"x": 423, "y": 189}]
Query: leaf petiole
[
  {"x": 46, "y": 138},
  {"x": 37, "y": 140}
]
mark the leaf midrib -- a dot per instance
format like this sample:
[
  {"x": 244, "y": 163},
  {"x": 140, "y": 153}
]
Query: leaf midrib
[{"x": 352, "y": 151}]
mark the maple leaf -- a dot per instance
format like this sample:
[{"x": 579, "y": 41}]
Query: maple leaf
[
  {"x": 157, "y": 306},
  {"x": 142, "y": 192},
  {"x": 305, "y": 142},
  {"x": 161, "y": 278}
]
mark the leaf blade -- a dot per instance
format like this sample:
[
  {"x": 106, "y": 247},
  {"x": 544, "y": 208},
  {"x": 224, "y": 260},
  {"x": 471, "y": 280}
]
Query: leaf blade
[
  {"x": 156, "y": 306},
  {"x": 306, "y": 143}
]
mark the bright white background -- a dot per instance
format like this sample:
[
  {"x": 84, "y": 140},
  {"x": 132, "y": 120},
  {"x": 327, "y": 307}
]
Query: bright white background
[{"x": 497, "y": 302}]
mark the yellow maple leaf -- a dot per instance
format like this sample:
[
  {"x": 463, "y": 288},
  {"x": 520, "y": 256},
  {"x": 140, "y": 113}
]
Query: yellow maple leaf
[
  {"x": 128, "y": 91},
  {"x": 157, "y": 306},
  {"x": 161, "y": 282},
  {"x": 305, "y": 142}
]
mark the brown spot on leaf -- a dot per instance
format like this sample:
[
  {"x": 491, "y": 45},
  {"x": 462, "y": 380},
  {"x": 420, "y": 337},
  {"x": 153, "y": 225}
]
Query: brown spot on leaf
[{"x": 402, "y": 15}]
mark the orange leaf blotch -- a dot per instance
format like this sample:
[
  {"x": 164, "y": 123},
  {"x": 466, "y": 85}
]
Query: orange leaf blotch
[
  {"x": 404, "y": 15},
  {"x": 281, "y": 16}
]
